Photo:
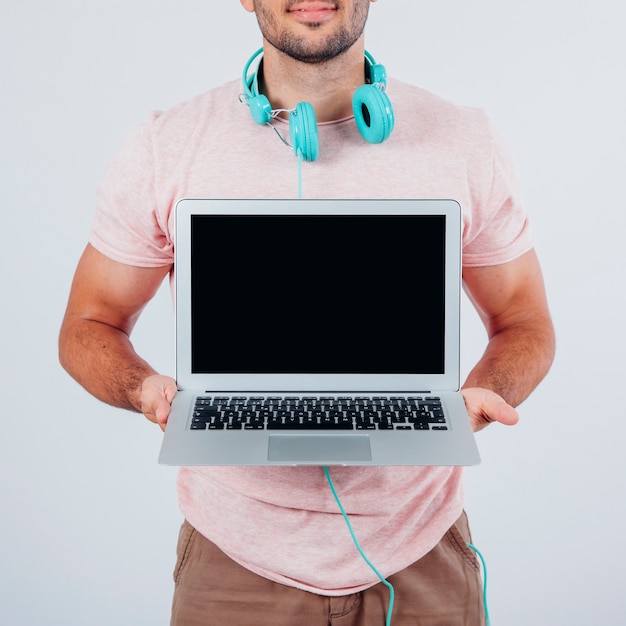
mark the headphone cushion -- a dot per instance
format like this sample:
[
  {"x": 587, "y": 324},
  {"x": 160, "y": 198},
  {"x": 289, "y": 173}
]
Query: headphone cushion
[
  {"x": 303, "y": 131},
  {"x": 373, "y": 113}
]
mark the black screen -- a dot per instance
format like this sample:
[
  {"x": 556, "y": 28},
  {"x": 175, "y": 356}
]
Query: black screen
[{"x": 318, "y": 294}]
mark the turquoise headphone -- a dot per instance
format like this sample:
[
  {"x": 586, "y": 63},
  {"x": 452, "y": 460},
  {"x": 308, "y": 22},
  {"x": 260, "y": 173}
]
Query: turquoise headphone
[{"x": 370, "y": 104}]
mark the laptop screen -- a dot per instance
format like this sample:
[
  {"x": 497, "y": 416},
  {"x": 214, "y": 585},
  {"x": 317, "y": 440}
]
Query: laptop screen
[{"x": 336, "y": 294}]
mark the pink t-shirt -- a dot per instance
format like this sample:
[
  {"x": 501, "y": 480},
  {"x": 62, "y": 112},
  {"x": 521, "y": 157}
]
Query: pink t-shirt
[{"x": 282, "y": 522}]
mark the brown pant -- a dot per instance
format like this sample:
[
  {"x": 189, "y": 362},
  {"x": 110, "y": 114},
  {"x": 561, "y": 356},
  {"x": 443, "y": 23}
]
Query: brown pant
[{"x": 444, "y": 588}]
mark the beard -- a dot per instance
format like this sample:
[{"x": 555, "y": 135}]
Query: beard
[{"x": 318, "y": 51}]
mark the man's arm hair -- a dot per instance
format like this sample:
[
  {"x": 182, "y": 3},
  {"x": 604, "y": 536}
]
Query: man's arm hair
[
  {"x": 511, "y": 302},
  {"x": 105, "y": 302}
]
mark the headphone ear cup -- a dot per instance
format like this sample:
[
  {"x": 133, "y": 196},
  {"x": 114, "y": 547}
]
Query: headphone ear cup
[
  {"x": 303, "y": 131},
  {"x": 373, "y": 113},
  {"x": 260, "y": 109}
]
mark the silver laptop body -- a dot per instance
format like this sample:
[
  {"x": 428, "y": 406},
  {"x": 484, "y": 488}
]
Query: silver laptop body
[{"x": 337, "y": 309}]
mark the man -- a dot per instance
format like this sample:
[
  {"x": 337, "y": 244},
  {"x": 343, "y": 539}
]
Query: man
[{"x": 265, "y": 546}]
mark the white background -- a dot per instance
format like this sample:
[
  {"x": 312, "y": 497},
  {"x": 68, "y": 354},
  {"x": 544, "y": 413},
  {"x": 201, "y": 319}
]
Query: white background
[{"x": 88, "y": 520}]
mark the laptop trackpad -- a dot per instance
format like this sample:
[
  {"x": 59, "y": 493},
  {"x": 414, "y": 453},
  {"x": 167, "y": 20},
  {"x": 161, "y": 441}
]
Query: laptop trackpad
[{"x": 319, "y": 448}]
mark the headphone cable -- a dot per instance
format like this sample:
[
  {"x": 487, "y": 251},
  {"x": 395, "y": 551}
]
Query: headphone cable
[{"x": 358, "y": 547}]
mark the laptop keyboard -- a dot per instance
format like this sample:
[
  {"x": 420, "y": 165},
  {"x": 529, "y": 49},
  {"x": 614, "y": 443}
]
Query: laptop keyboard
[{"x": 318, "y": 413}]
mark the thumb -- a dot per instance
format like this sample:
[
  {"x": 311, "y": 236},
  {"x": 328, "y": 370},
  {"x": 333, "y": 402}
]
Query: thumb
[
  {"x": 157, "y": 394},
  {"x": 501, "y": 411},
  {"x": 485, "y": 406}
]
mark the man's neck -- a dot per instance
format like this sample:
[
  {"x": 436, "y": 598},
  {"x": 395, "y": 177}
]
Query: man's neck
[{"x": 327, "y": 86}]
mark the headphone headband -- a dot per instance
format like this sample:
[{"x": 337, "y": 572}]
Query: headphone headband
[{"x": 248, "y": 83}]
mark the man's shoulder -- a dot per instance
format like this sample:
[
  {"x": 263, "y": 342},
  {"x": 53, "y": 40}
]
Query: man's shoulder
[
  {"x": 420, "y": 99},
  {"x": 438, "y": 116},
  {"x": 214, "y": 102}
]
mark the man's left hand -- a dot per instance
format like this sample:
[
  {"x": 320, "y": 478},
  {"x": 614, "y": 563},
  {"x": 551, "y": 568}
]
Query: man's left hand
[{"x": 485, "y": 406}]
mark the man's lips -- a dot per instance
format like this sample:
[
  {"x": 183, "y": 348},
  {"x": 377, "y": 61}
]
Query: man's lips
[{"x": 312, "y": 11}]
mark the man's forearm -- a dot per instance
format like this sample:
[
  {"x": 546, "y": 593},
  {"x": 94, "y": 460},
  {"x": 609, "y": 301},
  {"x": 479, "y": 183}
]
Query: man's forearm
[
  {"x": 515, "y": 361},
  {"x": 102, "y": 359}
]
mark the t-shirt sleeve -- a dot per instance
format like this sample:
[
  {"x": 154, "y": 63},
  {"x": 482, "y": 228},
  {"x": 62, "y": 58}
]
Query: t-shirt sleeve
[
  {"x": 128, "y": 226},
  {"x": 499, "y": 229}
]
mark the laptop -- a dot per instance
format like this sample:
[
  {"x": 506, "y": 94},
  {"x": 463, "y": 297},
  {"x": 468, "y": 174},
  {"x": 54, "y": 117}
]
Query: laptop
[{"x": 318, "y": 332}]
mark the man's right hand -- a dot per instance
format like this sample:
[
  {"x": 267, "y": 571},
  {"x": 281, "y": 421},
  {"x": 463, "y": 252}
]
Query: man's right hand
[{"x": 157, "y": 393}]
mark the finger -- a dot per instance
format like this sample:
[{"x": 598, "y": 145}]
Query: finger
[
  {"x": 156, "y": 397},
  {"x": 503, "y": 413},
  {"x": 161, "y": 412},
  {"x": 485, "y": 407}
]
